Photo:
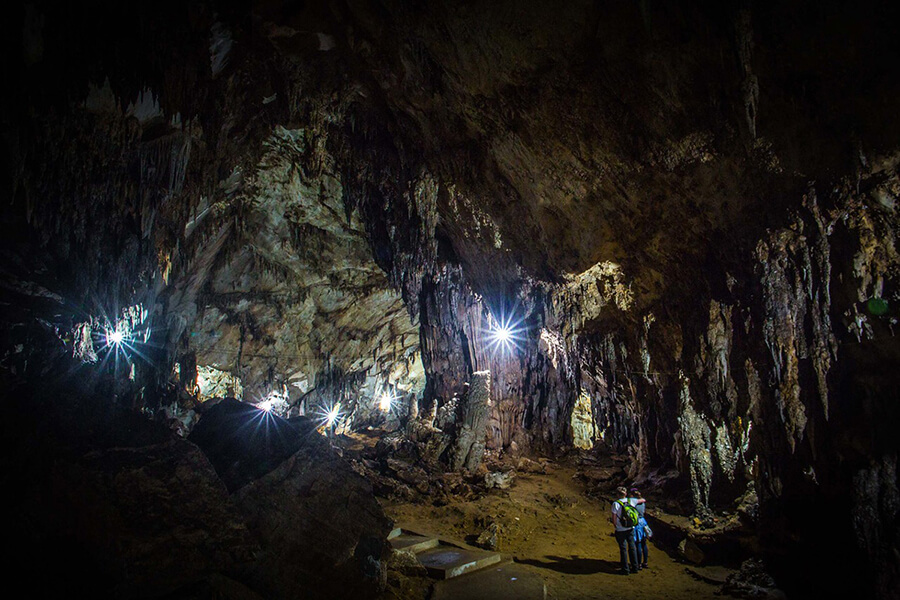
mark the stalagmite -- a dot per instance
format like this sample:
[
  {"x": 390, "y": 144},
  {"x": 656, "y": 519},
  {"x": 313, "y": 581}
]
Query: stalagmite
[
  {"x": 695, "y": 435},
  {"x": 470, "y": 439}
]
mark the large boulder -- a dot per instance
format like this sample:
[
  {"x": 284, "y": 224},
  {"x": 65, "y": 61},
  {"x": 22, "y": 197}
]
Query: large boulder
[
  {"x": 322, "y": 532},
  {"x": 244, "y": 442},
  {"x": 138, "y": 522}
]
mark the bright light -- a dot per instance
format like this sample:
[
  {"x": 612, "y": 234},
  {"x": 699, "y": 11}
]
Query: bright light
[
  {"x": 505, "y": 334},
  {"x": 385, "y": 401},
  {"x": 114, "y": 338},
  {"x": 276, "y": 402},
  {"x": 329, "y": 416},
  {"x": 332, "y": 416}
]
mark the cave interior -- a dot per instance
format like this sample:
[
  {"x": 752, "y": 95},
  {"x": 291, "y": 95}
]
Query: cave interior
[{"x": 269, "y": 268}]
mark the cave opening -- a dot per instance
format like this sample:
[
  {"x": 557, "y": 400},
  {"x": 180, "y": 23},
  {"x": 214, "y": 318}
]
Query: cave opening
[{"x": 383, "y": 299}]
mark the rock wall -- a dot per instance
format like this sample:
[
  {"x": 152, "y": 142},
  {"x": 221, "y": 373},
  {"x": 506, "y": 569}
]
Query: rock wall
[{"x": 774, "y": 389}]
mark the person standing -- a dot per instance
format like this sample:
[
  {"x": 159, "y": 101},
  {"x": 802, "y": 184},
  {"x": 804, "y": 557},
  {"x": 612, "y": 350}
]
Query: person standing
[
  {"x": 621, "y": 511},
  {"x": 640, "y": 530}
]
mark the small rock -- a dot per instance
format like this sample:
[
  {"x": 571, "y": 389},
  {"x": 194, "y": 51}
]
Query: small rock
[
  {"x": 691, "y": 551},
  {"x": 489, "y": 538},
  {"x": 499, "y": 479},
  {"x": 526, "y": 465},
  {"x": 752, "y": 581},
  {"x": 405, "y": 562}
]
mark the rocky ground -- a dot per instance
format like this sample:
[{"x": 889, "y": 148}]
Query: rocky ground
[
  {"x": 547, "y": 523},
  {"x": 552, "y": 517}
]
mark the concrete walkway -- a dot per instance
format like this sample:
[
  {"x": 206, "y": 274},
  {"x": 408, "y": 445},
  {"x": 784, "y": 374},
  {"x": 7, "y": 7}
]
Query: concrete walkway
[{"x": 466, "y": 573}]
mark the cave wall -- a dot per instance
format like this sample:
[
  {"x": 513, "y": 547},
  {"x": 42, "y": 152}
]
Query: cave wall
[
  {"x": 768, "y": 385},
  {"x": 298, "y": 306}
]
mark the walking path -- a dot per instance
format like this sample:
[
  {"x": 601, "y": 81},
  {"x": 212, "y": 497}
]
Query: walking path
[{"x": 554, "y": 534}]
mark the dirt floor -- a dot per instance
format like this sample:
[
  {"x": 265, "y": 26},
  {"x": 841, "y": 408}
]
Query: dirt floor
[{"x": 549, "y": 525}]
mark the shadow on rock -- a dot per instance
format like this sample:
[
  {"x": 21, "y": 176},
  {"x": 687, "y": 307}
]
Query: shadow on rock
[{"x": 244, "y": 442}]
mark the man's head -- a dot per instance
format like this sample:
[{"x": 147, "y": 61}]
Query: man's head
[
  {"x": 622, "y": 491},
  {"x": 634, "y": 493}
]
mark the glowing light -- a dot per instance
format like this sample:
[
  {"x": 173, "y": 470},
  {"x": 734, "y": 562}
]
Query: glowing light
[
  {"x": 118, "y": 338},
  {"x": 332, "y": 416},
  {"x": 505, "y": 334},
  {"x": 275, "y": 402},
  {"x": 114, "y": 337}
]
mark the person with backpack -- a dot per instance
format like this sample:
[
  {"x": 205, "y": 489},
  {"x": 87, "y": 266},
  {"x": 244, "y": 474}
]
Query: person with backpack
[
  {"x": 641, "y": 530},
  {"x": 625, "y": 517}
]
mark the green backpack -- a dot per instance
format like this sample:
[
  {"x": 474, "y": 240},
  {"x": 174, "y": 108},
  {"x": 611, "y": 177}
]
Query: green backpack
[{"x": 629, "y": 516}]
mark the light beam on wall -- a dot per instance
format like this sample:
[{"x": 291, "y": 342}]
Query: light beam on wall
[
  {"x": 505, "y": 333},
  {"x": 385, "y": 401},
  {"x": 332, "y": 415}
]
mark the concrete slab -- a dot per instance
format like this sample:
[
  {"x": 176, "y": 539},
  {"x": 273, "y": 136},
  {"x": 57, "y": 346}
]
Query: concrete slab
[
  {"x": 504, "y": 581},
  {"x": 413, "y": 542},
  {"x": 444, "y": 562}
]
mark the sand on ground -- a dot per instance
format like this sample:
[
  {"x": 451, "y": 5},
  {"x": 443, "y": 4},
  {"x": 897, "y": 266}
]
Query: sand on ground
[{"x": 548, "y": 525}]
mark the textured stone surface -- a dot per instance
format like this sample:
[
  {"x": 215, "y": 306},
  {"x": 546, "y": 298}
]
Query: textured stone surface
[
  {"x": 244, "y": 443},
  {"x": 470, "y": 435},
  {"x": 299, "y": 305},
  {"x": 489, "y": 539},
  {"x": 314, "y": 516},
  {"x": 322, "y": 532}
]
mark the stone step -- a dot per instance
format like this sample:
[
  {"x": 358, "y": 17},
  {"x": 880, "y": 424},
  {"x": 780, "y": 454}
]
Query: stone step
[
  {"x": 502, "y": 581},
  {"x": 413, "y": 542},
  {"x": 445, "y": 561}
]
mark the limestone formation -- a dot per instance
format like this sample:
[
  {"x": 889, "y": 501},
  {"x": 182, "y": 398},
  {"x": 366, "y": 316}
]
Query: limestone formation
[{"x": 468, "y": 449}]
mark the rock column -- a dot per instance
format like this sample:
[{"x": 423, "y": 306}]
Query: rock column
[{"x": 469, "y": 447}]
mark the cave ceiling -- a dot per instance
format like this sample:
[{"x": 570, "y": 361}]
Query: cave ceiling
[{"x": 649, "y": 135}]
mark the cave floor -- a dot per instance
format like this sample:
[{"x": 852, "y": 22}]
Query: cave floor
[{"x": 550, "y": 527}]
